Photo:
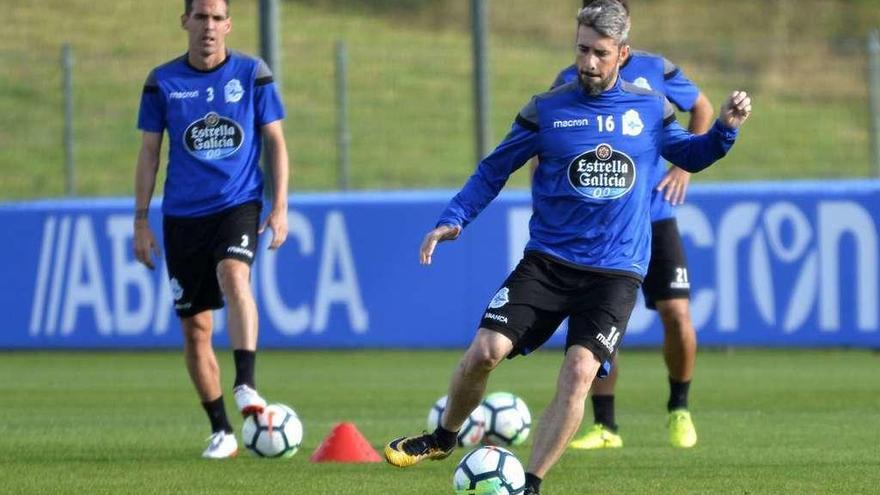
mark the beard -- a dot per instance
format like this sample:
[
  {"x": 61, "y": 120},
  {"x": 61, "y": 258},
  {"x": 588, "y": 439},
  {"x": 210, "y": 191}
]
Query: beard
[{"x": 594, "y": 87}]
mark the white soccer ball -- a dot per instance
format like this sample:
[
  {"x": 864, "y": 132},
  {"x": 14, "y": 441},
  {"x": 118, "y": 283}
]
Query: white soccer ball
[
  {"x": 508, "y": 420},
  {"x": 489, "y": 471},
  {"x": 276, "y": 432},
  {"x": 471, "y": 431}
]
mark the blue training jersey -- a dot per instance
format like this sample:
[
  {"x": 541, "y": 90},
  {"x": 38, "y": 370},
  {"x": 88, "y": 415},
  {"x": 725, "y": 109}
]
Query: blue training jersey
[
  {"x": 590, "y": 195},
  {"x": 654, "y": 72},
  {"x": 213, "y": 119}
]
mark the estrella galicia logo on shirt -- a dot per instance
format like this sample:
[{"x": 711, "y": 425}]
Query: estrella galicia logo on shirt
[
  {"x": 213, "y": 137},
  {"x": 602, "y": 173}
]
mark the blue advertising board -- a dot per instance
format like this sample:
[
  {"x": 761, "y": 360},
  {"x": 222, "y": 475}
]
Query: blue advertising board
[{"x": 770, "y": 264}]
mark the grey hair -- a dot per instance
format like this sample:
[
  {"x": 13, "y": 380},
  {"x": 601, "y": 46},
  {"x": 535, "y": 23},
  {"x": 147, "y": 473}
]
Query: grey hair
[{"x": 608, "y": 17}]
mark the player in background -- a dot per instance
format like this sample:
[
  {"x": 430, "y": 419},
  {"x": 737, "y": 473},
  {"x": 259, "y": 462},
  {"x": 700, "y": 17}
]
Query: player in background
[
  {"x": 218, "y": 107},
  {"x": 666, "y": 286},
  {"x": 589, "y": 232}
]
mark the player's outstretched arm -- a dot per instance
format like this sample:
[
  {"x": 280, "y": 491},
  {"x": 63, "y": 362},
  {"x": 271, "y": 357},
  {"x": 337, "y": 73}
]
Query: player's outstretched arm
[
  {"x": 145, "y": 245},
  {"x": 439, "y": 234},
  {"x": 736, "y": 109},
  {"x": 694, "y": 153}
]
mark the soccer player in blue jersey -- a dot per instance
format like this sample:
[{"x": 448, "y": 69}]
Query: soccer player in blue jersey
[
  {"x": 666, "y": 286},
  {"x": 597, "y": 139},
  {"x": 218, "y": 107}
]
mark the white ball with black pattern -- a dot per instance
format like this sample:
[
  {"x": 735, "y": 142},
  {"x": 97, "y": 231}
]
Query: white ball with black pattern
[
  {"x": 471, "y": 432},
  {"x": 508, "y": 420}
]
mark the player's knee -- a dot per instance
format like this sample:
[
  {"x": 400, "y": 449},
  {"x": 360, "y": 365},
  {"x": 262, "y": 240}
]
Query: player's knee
[
  {"x": 674, "y": 313},
  {"x": 580, "y": 369},
  {"x": 234, "y": 278},
  {"x": 486, "y": 351},
  {"x": 483, "y": 358},
  {"x": 197, "y": 333},
  {"x": 581, "y": 379}
]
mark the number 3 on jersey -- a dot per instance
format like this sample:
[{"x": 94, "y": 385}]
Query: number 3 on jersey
[
  {"x": 210, "y": 94},
  {"x": 606, "y": 123}
]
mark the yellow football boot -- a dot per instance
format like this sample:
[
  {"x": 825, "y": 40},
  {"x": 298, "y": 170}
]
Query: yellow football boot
[
  {"x": 409, "y": 451},
  {"x": 681, "y": 429},
  {"x": 598, "y": 437}
]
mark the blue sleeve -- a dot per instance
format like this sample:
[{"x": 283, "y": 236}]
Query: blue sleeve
[
  {"x": 151, "y": 116},
  {"x": 678, "y": 88},
  {"x": 565, "y": 76},
  {"x": 491, "y": 174},
  {"x": 559, "y": 81},
  {"x": 267, "y": 102},
  {"x": 696, "y": 152}
]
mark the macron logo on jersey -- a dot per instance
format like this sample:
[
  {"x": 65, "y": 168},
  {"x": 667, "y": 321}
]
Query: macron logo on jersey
[
  {"x": 182, "y": 95},
  {"x": 562, "y": 124}
]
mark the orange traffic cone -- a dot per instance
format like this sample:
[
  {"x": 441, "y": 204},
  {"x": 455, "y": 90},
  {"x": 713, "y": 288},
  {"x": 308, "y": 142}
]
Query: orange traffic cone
[{"x": 345, "y": 444}]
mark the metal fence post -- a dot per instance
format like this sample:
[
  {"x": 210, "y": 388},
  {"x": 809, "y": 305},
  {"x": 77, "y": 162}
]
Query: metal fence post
[
  {"x": 268, "y": 23},
  {"x": 269, "y": 37},
  {"x": 874, "y": 96},
  {"x": 482, "y": 131},
  {"x": 67, "y": 89},
  {"x": 343, "y": 135}
]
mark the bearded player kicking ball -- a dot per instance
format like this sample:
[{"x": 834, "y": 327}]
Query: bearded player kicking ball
[{"x": 590, "y": 232}]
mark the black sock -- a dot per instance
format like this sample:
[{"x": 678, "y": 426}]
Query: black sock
[
  {"x": 603, "y": 411},
  {"x": 244, "y": 367},
  {"x": 533, "y": 481},
  {"x": 445, "y": 439},
  {"x": 678, "y": 395},
  {"x": 217, "y": 415}
]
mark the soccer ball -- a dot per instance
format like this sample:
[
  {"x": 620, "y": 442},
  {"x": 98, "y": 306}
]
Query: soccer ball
[
  {"x": 489, "y": 471},
  {"x": 508, "y": 421},
  {"x": 471, "y": 431},
  {"x": 276, "y": 432}
]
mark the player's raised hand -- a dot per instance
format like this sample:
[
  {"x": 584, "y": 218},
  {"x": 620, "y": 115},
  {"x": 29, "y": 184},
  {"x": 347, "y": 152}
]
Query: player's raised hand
[
  {"x": 277, "y": 221},
  {"x": 440, "y": 234},
  {"x": 736, "y": 109},
  {"x": 145, "y": 245},
  {"x": 674, "y": 185}
]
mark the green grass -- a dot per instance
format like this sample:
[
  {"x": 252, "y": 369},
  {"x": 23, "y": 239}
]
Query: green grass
[
  {"x": 769, "y": 422},
  {"x": 410, "y": 83}
]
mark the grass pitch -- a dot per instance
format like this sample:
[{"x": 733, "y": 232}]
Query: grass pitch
[{"x": 769, "y": 422}]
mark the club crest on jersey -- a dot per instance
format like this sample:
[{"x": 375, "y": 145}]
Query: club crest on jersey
[
  {"x": 603, "y": 173},
  {"x": 213, "y": 137},
  {"x": 500, "y": 298},
  {"x": 233, "y": 91},
  {"x": 632, "y": 123}
]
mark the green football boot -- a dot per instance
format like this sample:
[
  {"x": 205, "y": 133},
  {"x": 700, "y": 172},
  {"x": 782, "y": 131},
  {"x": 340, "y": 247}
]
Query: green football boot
[
  {"x": 599, "y": 436},
  {"x": 682, "y": 433}
]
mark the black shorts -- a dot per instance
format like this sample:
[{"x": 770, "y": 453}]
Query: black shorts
[
  {"x": 667, "y": 276},
  {"x": 195, "y": 245},
  {"x": 542, "y": 291}
]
